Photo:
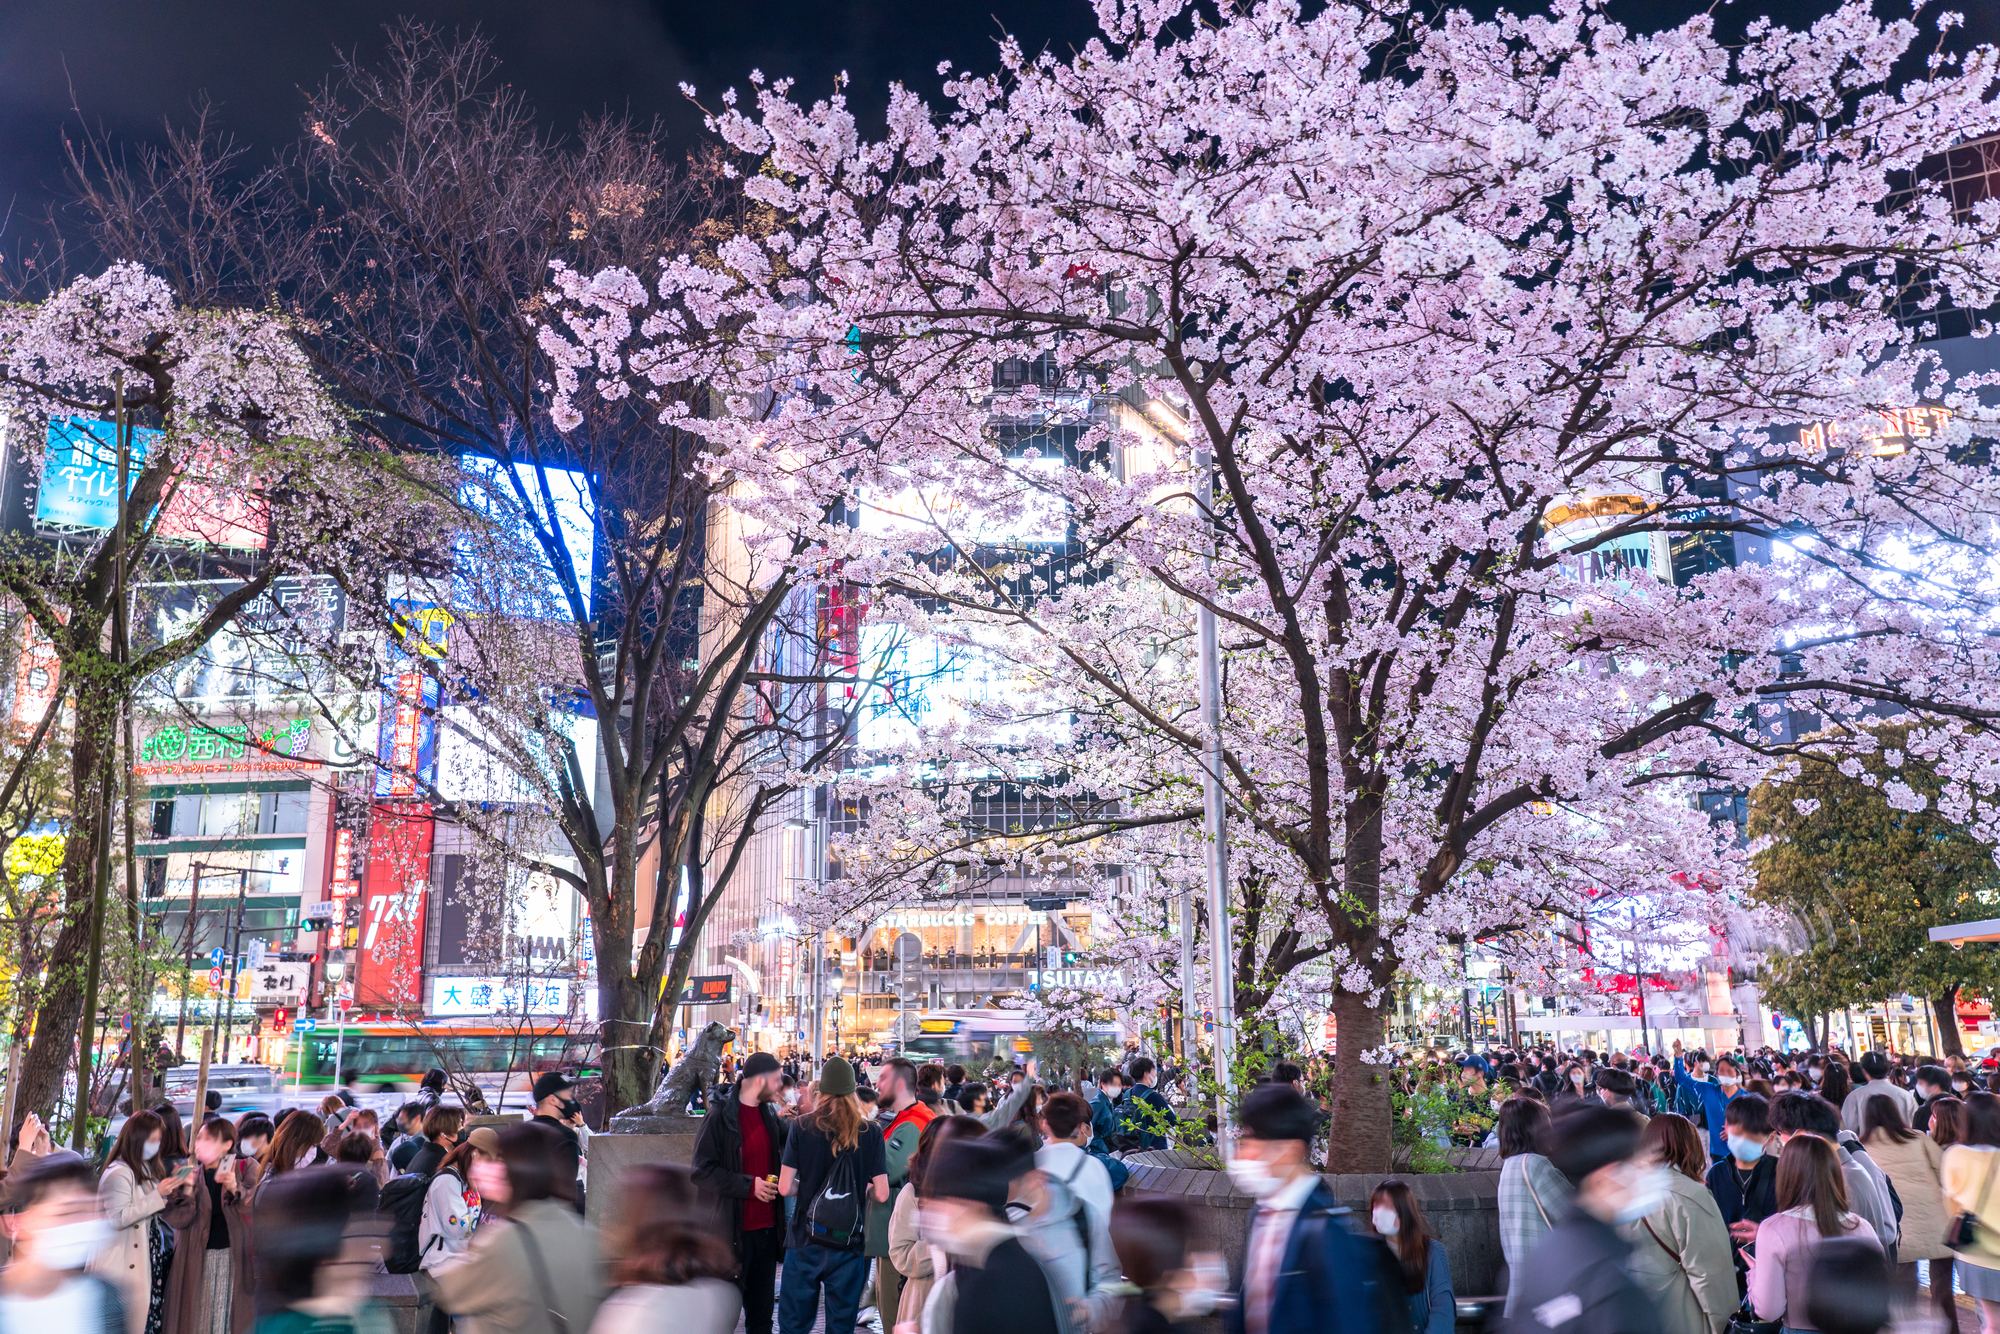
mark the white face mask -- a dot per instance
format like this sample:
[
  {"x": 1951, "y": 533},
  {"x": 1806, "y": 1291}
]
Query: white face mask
[
  {"x": 1252, "y": 1177},
  {"x": 151, "y": 1151},
  {"x": 1727, "y": 1081},
  {"x": 1385, "y": 1220},
  {"x": 1649, "y": 1188},
  {"x": 72, "y": 1245}
]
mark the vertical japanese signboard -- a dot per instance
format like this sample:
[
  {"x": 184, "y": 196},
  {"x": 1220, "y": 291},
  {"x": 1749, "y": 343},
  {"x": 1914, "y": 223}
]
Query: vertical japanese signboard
[{"x": 389, "y": 959}]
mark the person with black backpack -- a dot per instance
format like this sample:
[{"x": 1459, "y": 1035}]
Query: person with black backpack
[{"x": 832, "y": 1156}]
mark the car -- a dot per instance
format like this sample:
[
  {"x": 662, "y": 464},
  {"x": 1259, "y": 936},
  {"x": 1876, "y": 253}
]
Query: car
[{"x": 244, "y": 1087}]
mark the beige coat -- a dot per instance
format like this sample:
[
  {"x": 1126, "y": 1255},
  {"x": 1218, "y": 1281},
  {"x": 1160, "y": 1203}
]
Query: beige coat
[
  {"x": 1915, "y": 1168},
  {"x": 1681, "y": 1258},
  {"x": 911, "y": 1255},
  {"x": 498, "y": 1289},
  {"x": 126, "y": 1262}
]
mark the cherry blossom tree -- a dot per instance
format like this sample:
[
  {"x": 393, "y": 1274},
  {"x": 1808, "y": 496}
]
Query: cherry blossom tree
[
  {"x": 1453, "y": 313},
  {"x": 221, "y": 419}
]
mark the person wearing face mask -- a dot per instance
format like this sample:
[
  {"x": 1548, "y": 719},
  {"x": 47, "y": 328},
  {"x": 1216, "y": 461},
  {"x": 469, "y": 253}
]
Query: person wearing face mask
[
  {"x": 1302, "y": 1269},
  {"x": 1577, "y": 1280},
  {"x": 1575, "y": 1086},
  {"x": 52, "y": 1219},
  {"x": 443, "y": 1128},
  {"x": 1172, "y": 1284},
  {"x": 1420, "y": 1257},
  {"x": 1931, "y": 1083},
  {"x": 556, "y": 1109},
  {"x": 128, "y": 1194},
  {"x": 1710, "y": 1099},
  {"x": 915, "y": 1255},
  {"x": 736, "y": 1158},
  {"x": 208, "y": 1206},
  {"x": 1812, "y": 1208},
  {"x": 1681, "y": 1252},
  {"x": 1744, "y": 1185}
]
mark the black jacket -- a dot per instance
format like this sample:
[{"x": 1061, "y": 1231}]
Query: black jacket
[
  {"x": 718, "y": 1164},
  {"x": 1574, "y": 1282}
]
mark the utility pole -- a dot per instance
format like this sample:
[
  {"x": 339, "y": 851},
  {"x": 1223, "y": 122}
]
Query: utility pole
[
  {"x": 232, "y": 942},
  {"x": 1221, "y": 972}
]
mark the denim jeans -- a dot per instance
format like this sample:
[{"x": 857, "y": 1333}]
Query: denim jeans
[{"x": 844, "y": 1274}]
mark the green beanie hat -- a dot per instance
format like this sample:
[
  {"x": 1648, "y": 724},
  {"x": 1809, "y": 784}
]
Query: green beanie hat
[{"x": 836, "y": 1078}]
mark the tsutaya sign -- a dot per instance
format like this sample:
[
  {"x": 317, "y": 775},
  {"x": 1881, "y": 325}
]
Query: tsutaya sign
[
  {"x": 1090, "y": 979},
  {"x": 1008, "y": 915}
]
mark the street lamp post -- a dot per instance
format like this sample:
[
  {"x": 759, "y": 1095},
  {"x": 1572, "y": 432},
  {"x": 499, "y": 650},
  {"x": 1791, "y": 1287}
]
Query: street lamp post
[
  {"x": 336, "y": 972},
  {"x": 1221, "y": 974}
]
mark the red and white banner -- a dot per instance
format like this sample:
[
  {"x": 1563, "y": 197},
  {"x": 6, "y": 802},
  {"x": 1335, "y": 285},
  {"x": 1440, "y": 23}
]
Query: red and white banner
[{"x": 389, "y": 960}]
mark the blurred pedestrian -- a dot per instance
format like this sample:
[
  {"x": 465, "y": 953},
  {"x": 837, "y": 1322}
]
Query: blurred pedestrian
[
  {"x": 1173, "y": 1286},
  {"x": 1576, "y": 1279},
  {"x": 671, "y": 1271},
  {"x": 351, "y": 1162},
  {"x": 1812, "y": 1208},
  {"x": 210, "y": 1287},
  {"x": 1533, "y": 1195},
  {"x": 1681, "y": 1252},
  {"x": 1970, "y": 1167},
  {"x": 1303, "y": 1270},
  {"x": 736, "y": 1158},
  {"x": 312, "y": 1265},
  {"x": 833, "y": 1161},
  {"x": 52, "y": 1220},
  {"x": 909, "y": 1250},
  {"x": 1420, "y": 1257},
  {"x": 997, "y": 1287},
  {"x": 537, "y": 1268},
  {"x": 1914, "y": 1165},
  {"x": 136, "y": 1256}
]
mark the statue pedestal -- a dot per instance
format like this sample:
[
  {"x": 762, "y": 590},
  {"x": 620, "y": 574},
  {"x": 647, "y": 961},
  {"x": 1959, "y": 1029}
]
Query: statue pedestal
[{"x": 616, "y": 1150}]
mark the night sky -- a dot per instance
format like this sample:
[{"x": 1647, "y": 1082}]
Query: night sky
[{"x": 126, "y": 64}]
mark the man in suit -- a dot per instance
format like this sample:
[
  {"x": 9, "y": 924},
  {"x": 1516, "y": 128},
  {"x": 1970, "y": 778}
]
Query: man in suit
[{"x": 1304, "y": 1270}]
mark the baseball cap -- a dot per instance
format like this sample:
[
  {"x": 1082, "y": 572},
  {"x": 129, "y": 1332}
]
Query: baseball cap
[
  {"x": 485, "y": 1139},
  {"x": 555, "y": 1081}
]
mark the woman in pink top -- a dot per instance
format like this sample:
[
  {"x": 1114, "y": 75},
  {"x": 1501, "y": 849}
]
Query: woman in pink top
[{"x": 1812, "y": 1207}]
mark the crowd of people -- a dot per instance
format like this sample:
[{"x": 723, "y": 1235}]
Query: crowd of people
[
  {"x": 1723, "y": 1200},
  {"x": 1807, "y": 1191}
]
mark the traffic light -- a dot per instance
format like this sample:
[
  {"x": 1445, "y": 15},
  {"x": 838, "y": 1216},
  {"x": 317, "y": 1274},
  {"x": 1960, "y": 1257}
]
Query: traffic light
[
  {"x": 1072, "y": 958},
  {"x": 278, "y": 1019}
]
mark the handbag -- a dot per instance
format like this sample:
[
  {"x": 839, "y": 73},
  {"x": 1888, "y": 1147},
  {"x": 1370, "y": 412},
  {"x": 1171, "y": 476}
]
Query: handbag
[
  {"x": 1746, "y": 1322},
  {"x": 1963, "y": 1232},
  {"x": 1529, "y": 1182}
]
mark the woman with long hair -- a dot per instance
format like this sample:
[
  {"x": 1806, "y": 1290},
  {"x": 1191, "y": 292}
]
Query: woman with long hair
[
  {"x": 1420, "y": 1257},
  {"x": 1969, "y": 1169},
  {"x": 669, "y": 1268},
  {"x": 1533, "y": 1195},
  {"x": 173, "y": 1138},
  {"x": 909, "y": 1251},
  {"x": 1836, "y": 1083},
  {"x": 1812, "y": 1208},
  {"x": 836, "y": 1145},
  {"x": 1681, "y": 1254},
  {"x": 295, "y": 1145},
  {"x": 211, "y": 1287},
  {"x": 1914, "y": 1165},
  {"x": 135, "y": 1260}
]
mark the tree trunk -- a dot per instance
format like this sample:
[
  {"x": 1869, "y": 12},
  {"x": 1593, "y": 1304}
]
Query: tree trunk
[
  {"x": 1944, "y": 1008},
  {"x": 1362, "y": 1118},
  {"x": 59, "y": 1014}
]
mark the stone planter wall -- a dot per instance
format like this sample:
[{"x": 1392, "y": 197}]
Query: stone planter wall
[
  {"x": 612, "y": 1156},
  {"x": 1463, "y": 1209}
]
